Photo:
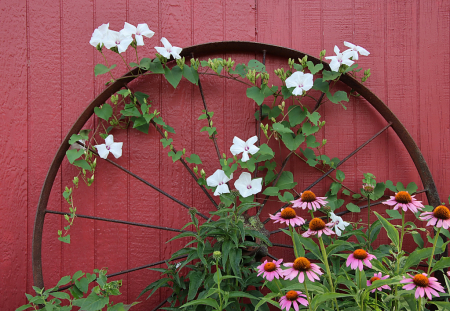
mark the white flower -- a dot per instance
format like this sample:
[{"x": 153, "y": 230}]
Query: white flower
[
  {"x": 340, "y": 224},
  {"x": 99, "y": 35},
  {"x": 117, "y": 39},
  {"x": 168, "y": 49},
  {"x": 245, "y": 147},
  {"x": 109, "y": 146},
  {"x": 247, "y": 186},
  {"x": 219, "y": 179},
  {"x": 301, "y": 81},
  {"x": 355, "y": 49},
  {"x": 340, "y": 58},
  {"x": 138, "y": 32},
  {"x": 77, "y": 146}
]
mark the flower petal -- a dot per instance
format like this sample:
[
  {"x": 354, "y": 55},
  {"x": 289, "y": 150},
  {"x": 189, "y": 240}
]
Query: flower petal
[
  {"x": 102, "y": 151},
  {"x": 162, "y": 51}
]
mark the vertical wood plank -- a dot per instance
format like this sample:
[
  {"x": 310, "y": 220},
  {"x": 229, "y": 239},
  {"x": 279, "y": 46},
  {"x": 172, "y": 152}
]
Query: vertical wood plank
[
  {"x": 111, "y": 184},
  {"x": 14, "y": 175},
  {"x": 44, "y": 127},
  {"x": 145, "y": 151}
]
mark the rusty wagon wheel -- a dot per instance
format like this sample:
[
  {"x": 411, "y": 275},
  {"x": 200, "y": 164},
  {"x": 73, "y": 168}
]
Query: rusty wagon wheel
[{"x": 260, "y": 51}]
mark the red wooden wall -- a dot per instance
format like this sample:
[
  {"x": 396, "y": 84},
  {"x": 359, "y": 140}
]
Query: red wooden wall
[{"x": 47, "y": 77}]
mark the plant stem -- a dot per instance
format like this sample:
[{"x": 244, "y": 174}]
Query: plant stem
[
  {"x": 312, "y": 214},
  {"x": 376, "y": 299},
  {"x": 218, "y": 283},
  {"x": 325, "y": 261},
  {"x": 420, "y": 304},
  {"x": 278, "y": 285},
  {"x": 291, "y": 229},
  {"x": 307, "y": 296},
  {"x": 129, "y": 69},
  {"x": 432, "y": 252},
  {"x": 401, "y": 241},
  {"x": 368, "y": 223}
]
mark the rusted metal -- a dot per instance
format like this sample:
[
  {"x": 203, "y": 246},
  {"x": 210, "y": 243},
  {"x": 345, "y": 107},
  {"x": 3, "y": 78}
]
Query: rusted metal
[
  {"x": 215, "y": 48},
  {"x": 118, "y": 221}
]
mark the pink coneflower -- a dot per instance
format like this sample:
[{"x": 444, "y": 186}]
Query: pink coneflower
[
  {"x": 440, "y": 217},
  {"x": 271, "y": 269},
  {"x": 292, "y": 298},
  {"x": 302, "y": 266},
  {"x": 318, "y": 226},
  {"x": 309, "y": 200},
  {"x": 288, "y": 216},
  {"x": 425, "y": 285},
  {"x": 358, "y": 257},
  {"x": 404, "y": 200},
  {"x": 376, "y": 277}
]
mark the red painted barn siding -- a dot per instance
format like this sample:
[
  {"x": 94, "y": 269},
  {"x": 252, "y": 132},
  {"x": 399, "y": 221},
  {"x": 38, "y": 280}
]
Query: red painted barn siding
[{"x": 48, "y": 80}]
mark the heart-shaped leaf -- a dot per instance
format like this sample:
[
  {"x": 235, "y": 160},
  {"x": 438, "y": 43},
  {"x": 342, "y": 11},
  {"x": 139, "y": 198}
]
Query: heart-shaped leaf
[
  {"x": 104, "y": 112},
  {"x": 173, "y": 76}
]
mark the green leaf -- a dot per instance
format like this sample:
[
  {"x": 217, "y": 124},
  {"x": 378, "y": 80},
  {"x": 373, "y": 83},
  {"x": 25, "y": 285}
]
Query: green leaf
[
  {"x": 390, "y": 229},
  {"x": 240, "y": 294},
  {"x": 256, "y": 94},
  {"x": 314, "y": 69},
  {"x": 313, "y": 117},
  {"x": 337, "y": 97},
  {"x": 400, "y": 187},
  {"x": 240, "y": 69},
  {"x": 141, "y": 97},
  {"x": 82, "y": 284},
  {"x": 309, "y": 154},
  {"x": 299, "y": 251},
  {"x": 175, "y": 156},
  {"x": 393, "y": 213},
  {"x": 190, "y": 73},
  {"x": 77, "y": 275},
  {"x": 443, "y": 263},
  {"x": 194, "y": 159},
  {"x": 91, "y": 303},
  {"x": 321, "y": 85},
  {"x": 64, "y": 239},
  {"x": 256, "y": 65},
  {"x": 205, "y": 301},
  {"x": 24, "y": 307},
  {"x": 353, "y": 208},
  {"x": 291, "y": 142},
  {"x": 156, "y": 66},
  {"x": 417, "y": 238},
  {"x": 330, "y": 75},
  {"x": 286, "y": 92},
  {"x": 280, "y": 128},
  {"x": 411, "y": 188},
  {"x": 390, "y": 185},
  {"x": 296, "y": 115},
  {"x": 311, "y": 141},
  {"x": 340, "y": 175},
  {"x": 378, "y": 192},
  {"x": 335, "y": 187},
  {"x": 286, "y": 181},
  {"x": 309, "y": 129},
  {"x": 166, "y": 142},
  {"x": 271, "y": 191},
  {"x": 196, "y": 279},
  {"x": 60, "y": 295},
  {"x": 73, "y": 154},
  {"x": 131, "y": 111},
  {"x": 74, "y": 138},
  {"x": 173, "y": 76},
  {"x": 100, "y": 69},
  {"x": 416, "y": 257},
  {"x": 286, "y": 197},
  {"x": 83, "y": 164},
  {"x": 311, "y": 246},
  {"x": 64, "y": 280},
  {"x": 318, "y": 299}
]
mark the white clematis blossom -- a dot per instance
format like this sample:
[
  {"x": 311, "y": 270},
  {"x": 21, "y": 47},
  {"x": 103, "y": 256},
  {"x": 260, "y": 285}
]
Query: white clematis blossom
[
  {"x": 355, "y": 49},
  {"x": 340, "y": 58},
  {"x": 301, "y": 81},
  {"x": 109, "y": 146},
  {"x": 219, "y": 179},
  {"x": 117, "y": 39},
  {"x": 247, "y": 186},
  {"x": 340, "y": 224},
  {"x": 138, "y": 32},
  {"x": 99, "y": 35},
  {"x": 245, "y": 147},
  {"x": 168, "y": 49}
]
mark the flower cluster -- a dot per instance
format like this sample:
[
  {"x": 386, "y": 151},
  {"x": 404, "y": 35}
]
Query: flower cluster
[
  {"x": 244, "y": 184},
  {"x": 346, "y": 57},
  {"x": 119, "y": 41}
]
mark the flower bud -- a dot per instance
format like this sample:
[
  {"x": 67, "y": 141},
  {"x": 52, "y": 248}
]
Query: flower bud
[
  {"x": 217, "y": 254},
  {"x": 221, "y": 205},
  {"x": 324, "y": 141},
  {"x": 184, "y": 151},
  {"x": 322, "y": 54},
  {"x": 368, "y": 188},
  {"x": 193, "y": 211},
  {"x": 195, "y": 169},
  {"x": 202, "y": 173},
  {"x": 235, "y": 192}
]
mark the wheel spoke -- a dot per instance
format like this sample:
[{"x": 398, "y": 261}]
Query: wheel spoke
[
  {"x": 146, "y": 182},
  {"x": 188, "y": 169},
  {"x": 332, "y": 169},
  {"x": 273, "y": 257},
  {"x": 118, "y": 221},
  {"x": 282, "y": 245}
]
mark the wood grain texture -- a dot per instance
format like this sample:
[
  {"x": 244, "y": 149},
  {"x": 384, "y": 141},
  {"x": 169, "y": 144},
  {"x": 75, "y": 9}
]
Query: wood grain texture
[
  {"x": 53, "y": 64},
  {"x": 14, "y": 174}
]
